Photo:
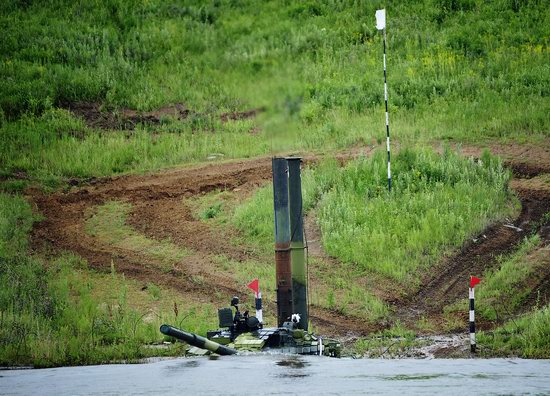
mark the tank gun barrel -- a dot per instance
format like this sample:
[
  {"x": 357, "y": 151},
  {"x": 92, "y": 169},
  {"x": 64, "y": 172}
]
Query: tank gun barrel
[{"x": 196, "y": 340}]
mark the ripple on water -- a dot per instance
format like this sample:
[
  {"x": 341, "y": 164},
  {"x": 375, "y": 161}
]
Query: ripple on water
[
  {"x": 292, "y": 362},
  {"x": 414, "y": 377}
]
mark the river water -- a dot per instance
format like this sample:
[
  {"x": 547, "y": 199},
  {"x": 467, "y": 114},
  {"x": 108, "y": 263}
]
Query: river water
[{"x": 287, "y": 375}]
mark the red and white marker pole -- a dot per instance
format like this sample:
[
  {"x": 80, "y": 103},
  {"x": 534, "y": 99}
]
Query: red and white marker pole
[
  {"x": 473, "y": 282},
  {"x": 255, "y": 285}
]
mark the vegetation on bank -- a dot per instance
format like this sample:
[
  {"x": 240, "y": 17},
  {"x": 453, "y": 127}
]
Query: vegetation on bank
[
  {"x": 436, "y": 202},
  {"x": 58, "y": 312},
  {"x": 506, "y": 288},
  {"x": 457, "y": 70},
  {"x": 465, "y": 70},
  {"x": 527, "y": 336},
  {"x": 502, "y": 298}
]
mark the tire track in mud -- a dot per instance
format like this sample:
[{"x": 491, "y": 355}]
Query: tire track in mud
[
  {"x": 159, "y": 212},
  {"x": 477, "y": 255},
  {"x": 448, "y": 282},
  {"x": 65, "y": 214}
]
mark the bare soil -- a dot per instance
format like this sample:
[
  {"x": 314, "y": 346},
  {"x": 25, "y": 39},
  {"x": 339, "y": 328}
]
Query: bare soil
[
  {"x": 160, "y": 211},
  {"x": 126, "y": 119}
]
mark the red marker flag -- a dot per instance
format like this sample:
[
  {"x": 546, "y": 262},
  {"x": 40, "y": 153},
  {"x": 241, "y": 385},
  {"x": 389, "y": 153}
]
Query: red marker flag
[
  {"x": 254, "y": 285},
  {"x": 474, "y": 281}
]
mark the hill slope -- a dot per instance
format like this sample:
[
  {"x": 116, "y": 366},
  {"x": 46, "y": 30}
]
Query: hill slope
[{"x": 98, "y": 245}]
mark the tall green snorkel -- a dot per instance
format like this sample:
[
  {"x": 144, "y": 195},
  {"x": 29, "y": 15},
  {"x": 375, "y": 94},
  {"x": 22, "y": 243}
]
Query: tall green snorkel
[
  {"x": 282, "y": 240},
  {"x": 297, "y": 248},
  {"x": 290, "y": 263}
]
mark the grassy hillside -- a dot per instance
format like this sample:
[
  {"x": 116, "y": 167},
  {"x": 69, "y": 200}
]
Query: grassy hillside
[
  {"x": 59, "y": 312},
  {"x": 437, "y": 202},
  {"x": 99, "y": 88},
  {"x": 457, "y": 69}
]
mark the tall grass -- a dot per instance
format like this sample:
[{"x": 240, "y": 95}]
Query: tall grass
[
  {"x": 527, "y": 337},
  {"x": 57, "y": 145},
  {"x": 57, "y": 312},
  {"x": 314, "y": 66},
  {"x": 504, "y": 289},
  {"x": 501, "y": 295},
  {"x": 436, "y": 202}
]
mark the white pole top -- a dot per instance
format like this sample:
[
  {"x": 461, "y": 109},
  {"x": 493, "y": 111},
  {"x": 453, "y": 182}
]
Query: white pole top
[{"x": 381, "y": 19}]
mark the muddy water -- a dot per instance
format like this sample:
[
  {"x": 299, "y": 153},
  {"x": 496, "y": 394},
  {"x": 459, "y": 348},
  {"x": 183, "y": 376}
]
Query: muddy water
[{"x": 284, "y": 375}]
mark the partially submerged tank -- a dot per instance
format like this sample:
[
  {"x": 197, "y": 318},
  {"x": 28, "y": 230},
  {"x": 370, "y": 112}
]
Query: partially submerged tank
[{"x": 240, "y": 331}]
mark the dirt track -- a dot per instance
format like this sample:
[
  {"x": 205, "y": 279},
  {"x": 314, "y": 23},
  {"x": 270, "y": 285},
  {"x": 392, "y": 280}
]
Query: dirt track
[{"x": 159, "y": 211}]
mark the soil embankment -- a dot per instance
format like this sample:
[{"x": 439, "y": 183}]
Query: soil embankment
[{"x": 159, "y": 211}]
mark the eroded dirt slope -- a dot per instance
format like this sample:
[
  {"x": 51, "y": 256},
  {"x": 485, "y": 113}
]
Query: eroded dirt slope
[{"x": 160, "y": 212}]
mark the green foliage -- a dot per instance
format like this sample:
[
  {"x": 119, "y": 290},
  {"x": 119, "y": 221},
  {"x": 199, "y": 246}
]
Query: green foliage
[
  {"x": 212, "y": 211},
  {"x": 50, "y": 314},
  {"x": 314, "y": 67},
  {"x": 16, "y": 220},
  {"x": 503, "y": 289},
  {"x": 436, "y": 202},
  {"x": 255, "y": 217},
  {"x": 331, "y": 300},
  {"x": 24, "y": 282},
  {"x": 57, "y": 145},
  {"x": 527, "y": 337},
  {"x": 154, "y": 290}
]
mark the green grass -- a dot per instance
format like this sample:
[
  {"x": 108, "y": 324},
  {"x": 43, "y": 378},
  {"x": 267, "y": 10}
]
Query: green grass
[
  {"x": 66, "y": 148},
  {"x": 437, "y": 201},
  {"x": 108, "y": 224},
  {"x": 527, "y": 337},
  {"x": 457, "y": 70},
  {"x": 58, "y": 312},
  {"x": 504, "y": 289},
  {"x": 502, "y": 292},
  {"x": 16, "y": 219}
]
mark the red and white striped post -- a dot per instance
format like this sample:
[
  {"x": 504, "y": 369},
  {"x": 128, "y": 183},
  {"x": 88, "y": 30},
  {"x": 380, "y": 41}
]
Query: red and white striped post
[
  {"x": 473, "y": 282},
  {"x": 255, "y": 285}
]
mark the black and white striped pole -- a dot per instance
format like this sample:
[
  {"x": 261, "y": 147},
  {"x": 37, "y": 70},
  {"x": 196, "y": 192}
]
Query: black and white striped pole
[
  {"x": 473, "y": 282},
  {"x": 381, "y": 25},
  {"x": 259, "y": 312},
  {"x": 255, "y": 285}
]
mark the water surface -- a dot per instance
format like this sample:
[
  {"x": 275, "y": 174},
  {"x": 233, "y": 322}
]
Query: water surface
[{"x": 284, "y": 375}]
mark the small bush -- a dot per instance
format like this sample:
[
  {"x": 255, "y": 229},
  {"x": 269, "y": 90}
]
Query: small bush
[{"x": 212, "y": 211}]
